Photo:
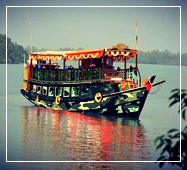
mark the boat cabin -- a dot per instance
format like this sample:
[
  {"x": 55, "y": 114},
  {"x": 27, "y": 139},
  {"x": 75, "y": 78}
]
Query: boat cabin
[{"x": 94, "y": 70}]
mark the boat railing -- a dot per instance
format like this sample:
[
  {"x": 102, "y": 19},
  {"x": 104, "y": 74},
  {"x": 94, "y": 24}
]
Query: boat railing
[
  {"x": 92, "y": 73},
  {"x": 70, "y": 74},
  {"x": 75, "y": 74},
  {"x": 122, "y": 73},
  {"x": 110, "y": 72}
]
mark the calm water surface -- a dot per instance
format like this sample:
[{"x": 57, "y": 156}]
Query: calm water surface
[{"x": 39, "y": 134}]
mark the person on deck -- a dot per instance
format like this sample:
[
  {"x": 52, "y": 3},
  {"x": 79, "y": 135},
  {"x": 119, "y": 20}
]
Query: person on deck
[
  {"x": 118, "y": 68},
  {"x": 131, "y": 71},
  {"x": 71, "y": 67},
  {"x": 92, "y": 65},
  {"x": 134, "y": 80}
]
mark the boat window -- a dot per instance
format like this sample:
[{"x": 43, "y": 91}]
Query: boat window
[
  {"x": 58, "y": 91},
  {"x": 51, "y": 91},
  {"x": 34, "y": 88},
  {"x": 39, "y": 89},
  {"x": 66, "y": 92},
  {"x": 75, "y": 91},
  {"x": 84, "y": 90},
  {"x": 44, "y": 90}
]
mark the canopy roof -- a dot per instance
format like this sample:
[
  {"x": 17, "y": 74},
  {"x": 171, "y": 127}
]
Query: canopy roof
[
  {"x": 116, "y": 53},
  {"x": 47, "y": 55},
  {"x": 84, "y": 54}
]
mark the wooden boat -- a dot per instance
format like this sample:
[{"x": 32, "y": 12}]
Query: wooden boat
[{"x": 93, "y": 86}]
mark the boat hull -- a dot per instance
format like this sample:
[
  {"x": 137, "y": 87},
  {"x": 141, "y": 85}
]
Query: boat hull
[
  {"x": 131, "y": 103},
  {"x": 126, "y": 103}
]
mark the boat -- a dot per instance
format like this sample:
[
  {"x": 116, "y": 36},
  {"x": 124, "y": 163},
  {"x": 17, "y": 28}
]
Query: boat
[{"x": 94, "y": 85}]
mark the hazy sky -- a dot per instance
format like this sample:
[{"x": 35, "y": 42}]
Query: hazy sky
[{"x": 53, "y": 28}]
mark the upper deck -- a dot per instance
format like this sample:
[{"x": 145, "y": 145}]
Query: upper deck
[{"x": 93, "y": 65}]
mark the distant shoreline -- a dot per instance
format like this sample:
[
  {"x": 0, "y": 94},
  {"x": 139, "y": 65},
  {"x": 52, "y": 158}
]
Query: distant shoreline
[{"x": 15, "y": 53}]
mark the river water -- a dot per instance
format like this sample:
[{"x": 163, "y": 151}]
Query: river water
[{"x": 39, "y": 134}]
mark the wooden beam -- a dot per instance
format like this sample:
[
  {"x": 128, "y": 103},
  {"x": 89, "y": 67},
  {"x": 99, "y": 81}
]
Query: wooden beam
[
  {"x": 103, "y": 66},
  {"x": 125, "y": 68},
  {"x": 82, "y": 76},
  {"x": 64, "y": 71},
  {"x": 125, "y": 50},
  {"x": 30, "y": 70},
  {"x": 50, "y": 69}
]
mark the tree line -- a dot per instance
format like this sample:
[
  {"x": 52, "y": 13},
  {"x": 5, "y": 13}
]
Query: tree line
[{"x": 16, "y": 53}]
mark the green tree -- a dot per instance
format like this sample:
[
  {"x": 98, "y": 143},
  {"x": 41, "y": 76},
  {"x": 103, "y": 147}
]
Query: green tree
[
  {"x": 2, "y": 48},
  {"x": 161, "y": 57},
  {"x": 15, "y": 52},
  {"x": 170, "y": 142}
]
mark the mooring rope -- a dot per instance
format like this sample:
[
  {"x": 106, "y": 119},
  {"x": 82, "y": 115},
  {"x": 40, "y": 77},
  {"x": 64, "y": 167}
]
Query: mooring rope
[{"x": 158, "y": 88}]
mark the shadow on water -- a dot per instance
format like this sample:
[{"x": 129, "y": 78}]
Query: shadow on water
[{"x": 53, "y": 135}]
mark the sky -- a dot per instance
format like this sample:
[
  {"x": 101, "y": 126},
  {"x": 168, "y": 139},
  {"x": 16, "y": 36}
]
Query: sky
[{"x": 96, "y": 27}]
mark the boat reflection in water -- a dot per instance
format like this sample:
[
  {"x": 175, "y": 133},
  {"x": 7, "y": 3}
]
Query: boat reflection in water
[{"x": 53, "y": 135}]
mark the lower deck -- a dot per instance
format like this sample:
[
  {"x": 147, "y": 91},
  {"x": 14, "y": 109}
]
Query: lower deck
[
  {"x": 71, "y": 91},
  {"x": 87, "y": 97}
]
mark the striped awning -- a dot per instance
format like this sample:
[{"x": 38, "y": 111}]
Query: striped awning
[
  {"x": 121, "y": 55},
  {"x": 47, "y": 55},
  {"x": 84, "y": 54}
]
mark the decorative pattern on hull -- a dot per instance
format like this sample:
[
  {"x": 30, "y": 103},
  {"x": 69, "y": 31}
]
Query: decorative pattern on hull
[{"x": 129, "y": 102}]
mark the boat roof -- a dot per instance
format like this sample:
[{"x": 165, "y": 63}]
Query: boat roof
[
  {"x": 68, "y": 55},
  {"x": 85, "y": 54}
]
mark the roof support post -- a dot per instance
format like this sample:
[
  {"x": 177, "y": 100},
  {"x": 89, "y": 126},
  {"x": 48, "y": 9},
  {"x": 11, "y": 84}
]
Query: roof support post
[
  {"x": 103, "y": 73},
  {"x": 82, "y": 76},
  {"x": 30, "y": 70},
  {"x": 125, "y": 67},
  {"x": 50, "y": 69},
  {"x": 64, "y": 71}
]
